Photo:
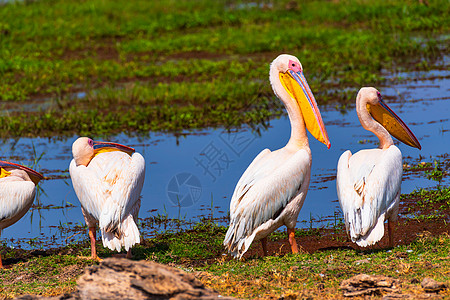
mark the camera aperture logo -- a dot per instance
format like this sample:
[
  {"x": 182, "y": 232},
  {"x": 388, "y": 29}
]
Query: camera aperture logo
[{"x": 184, "y": 189}]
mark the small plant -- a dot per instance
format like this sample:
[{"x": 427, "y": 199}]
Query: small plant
[{"x": 437, "y": 174}]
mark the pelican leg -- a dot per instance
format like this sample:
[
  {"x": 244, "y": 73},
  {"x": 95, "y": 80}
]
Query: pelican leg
[
  {"x": 391, "y": 229},
  {"x": 129, "y": 255},
  {"x": 291, "y": 236},
  {"x": 93, "y": 237},
  {"x": 264, "y": 246}
]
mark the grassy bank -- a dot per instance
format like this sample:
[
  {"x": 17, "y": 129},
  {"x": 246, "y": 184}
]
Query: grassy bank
[
  {"x": 102, "y": 67},
  {"x": 325, "y": 260}
]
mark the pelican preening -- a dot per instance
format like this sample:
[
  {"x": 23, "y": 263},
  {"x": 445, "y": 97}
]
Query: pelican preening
[
  {"x": 368, "y": 182},
  {"x": 108, "y": 179},
  {"x": 17, "y": 191},
  {"x": 272, "y": 190}
]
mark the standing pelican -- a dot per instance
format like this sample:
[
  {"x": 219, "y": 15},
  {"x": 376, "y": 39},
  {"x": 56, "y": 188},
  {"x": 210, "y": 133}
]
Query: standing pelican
[
  {"x": 108, "y": 179},
  {"x": 368, "y": 183},
  {"x": 17, "y": 191},
  {"x": 272, "y": 190}
]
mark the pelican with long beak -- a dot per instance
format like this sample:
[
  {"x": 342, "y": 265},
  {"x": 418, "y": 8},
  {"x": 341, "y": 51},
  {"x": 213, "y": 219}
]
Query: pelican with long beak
[
  {"x": 108, "y": 179},
  {"x": 368, "y": 182},
  {"x": 272, "y": 190},
  {"x": 17, "y": 190}
]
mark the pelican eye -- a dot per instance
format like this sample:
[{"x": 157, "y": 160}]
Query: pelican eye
[{"x": 379, "y": 96}]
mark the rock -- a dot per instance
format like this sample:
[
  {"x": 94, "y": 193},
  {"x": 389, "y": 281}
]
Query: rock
[
  {"x": 432, "y": 286},
  {"x": 415, "y": 281},
  {"x": 364, "y": 284},
  {"x": 394, "y": 296},
  {"x": 362, "y": 261},
  {"x": 118, "y": 278},
  {"x": 410, "y": 297}
]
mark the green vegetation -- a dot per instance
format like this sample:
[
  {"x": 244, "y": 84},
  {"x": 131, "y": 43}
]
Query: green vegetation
[
  {"x": 42, "y": 275},
  {"x": 436, "y": 174},
  {"x": 197, "y": 245},
  {"x": 102, "y": 67},
  {"x": 326, "y": 258},
  {"x": 430, "y": 204},
  {"x": 318, "y": 276}
]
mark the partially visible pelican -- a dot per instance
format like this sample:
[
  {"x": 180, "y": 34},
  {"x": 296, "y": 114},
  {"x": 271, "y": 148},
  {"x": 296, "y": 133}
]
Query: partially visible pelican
[
  {"x": 368, "y": 182},
  {"x": 108, "y": 179},
  {"x": 272, "y": 190},
  {"x": 17, "y": 191}
]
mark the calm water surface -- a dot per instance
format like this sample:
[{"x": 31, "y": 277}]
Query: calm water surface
[{"x": 189, "y": 175}]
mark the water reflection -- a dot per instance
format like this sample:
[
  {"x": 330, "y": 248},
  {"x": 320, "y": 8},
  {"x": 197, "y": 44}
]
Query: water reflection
[{"x": 195, "y": 174}]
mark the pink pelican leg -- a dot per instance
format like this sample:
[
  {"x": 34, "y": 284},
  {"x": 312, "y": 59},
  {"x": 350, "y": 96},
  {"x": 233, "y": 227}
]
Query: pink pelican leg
[
  {"x": 93, "y": 237},
  {"x": 391, "y": 230},
  {"x": 291, "y": 236},
  {"x": 108, "y": 179},
  {"x": 375, "y": 172},
  {"x": 264, "y": 246},
  {"x": 271, "y": 191},
  {"x": 17, "y": 190}
]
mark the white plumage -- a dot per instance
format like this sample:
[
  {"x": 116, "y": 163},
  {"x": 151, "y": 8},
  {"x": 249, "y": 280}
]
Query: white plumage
[
  {"x": 109, "y": 188},
  {"x": 17, "y": 192},
  {"x": 368, "y": 187},
  {"x": 269, "y": 194},
  {"x": 272, "y": 190},
  {"x": 369, "y": 182}
]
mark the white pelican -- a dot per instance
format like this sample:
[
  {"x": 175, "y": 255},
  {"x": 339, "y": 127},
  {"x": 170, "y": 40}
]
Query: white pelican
[
  {"x": 272, "y": 190},
  {"x": 17, "y": 191},
  {"x": 108, "y": 179},
  {"x": 368, "y": 182}
]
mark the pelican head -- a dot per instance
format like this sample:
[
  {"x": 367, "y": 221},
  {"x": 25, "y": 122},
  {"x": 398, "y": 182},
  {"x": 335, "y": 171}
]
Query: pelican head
[
  {"x": 291, "y": 87},
  {"x": 83, "y": 151},
  {"x": 27, "y": 174},
  {"x": 369, "y": 103}
]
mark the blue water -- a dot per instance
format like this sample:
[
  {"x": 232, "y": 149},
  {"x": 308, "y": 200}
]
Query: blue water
[{"x": 188, "y": 175}]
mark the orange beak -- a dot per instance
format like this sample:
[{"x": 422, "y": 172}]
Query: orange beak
[
  {"x": 296, "y": 85},
  {"x": 389, "y": 120}
]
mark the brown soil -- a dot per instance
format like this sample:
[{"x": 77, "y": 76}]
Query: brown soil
[
  {"x": 406, "y": 232},
  {"x": 321, "y": 239}
]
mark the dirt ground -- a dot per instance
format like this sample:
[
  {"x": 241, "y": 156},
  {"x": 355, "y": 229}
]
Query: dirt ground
[{"x": 407, "y": 231}]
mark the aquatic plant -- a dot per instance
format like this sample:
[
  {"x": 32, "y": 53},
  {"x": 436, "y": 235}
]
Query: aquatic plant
[{"x": 97, "y": 71}]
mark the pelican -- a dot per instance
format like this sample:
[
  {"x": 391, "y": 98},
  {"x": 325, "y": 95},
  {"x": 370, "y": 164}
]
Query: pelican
[
  {"x": 108, "y": 179},
  {"x": 17, "y": 190},
  {"x": 368, "y": 182},
  {"x": 272, "y": 190}
]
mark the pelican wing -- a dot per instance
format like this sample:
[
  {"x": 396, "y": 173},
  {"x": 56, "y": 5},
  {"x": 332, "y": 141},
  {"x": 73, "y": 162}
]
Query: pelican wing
[
  {"x": 368, "y": 184},
  {"x": 249, "y": 175},
  {"x": 123, "y": 178},
  {"x": 16, "y": 198},
  {"x": 110, "y": 186},
  {"x": 88, "y": 188},
  {"x": 262, "y": 193}
]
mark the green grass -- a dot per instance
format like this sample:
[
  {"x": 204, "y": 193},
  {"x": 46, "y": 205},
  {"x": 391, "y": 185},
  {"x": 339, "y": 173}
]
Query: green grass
[
  {"x": 318, "y": 275},
  {"x": 195, "y": 246},
  {"x": 314, "y": 275},
  {"x": 48, "y": 275},
  {"x": 153, "y": 65}
]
